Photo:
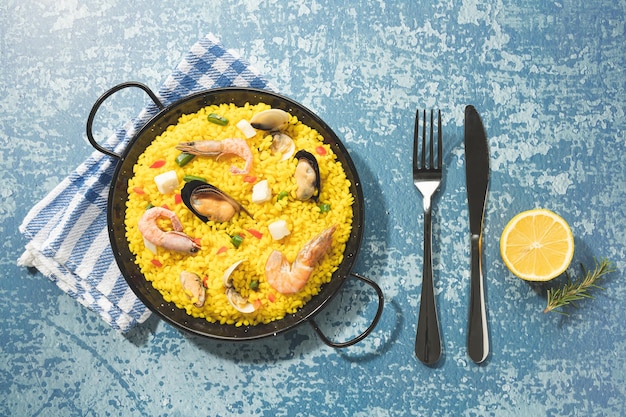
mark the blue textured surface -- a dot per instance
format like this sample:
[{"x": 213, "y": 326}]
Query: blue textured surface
[{"x": 548, "y": 79}]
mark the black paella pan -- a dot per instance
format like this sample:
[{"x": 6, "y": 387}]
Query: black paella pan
[{"x": 118, "y": 195}]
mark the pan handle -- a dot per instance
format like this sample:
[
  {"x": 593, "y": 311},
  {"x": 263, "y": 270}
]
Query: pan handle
[
  {"x": 99, "y": 103},
  {"x": 379, "y": 312}
]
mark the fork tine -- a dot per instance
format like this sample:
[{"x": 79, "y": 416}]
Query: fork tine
[
  {"x": 439, "y": 142},
  {"x": 425, "y": 145},
  {"x": 416, "y": 140},
  {"x": 423, "y": 166},
  {"x": 431, "y": 156}
]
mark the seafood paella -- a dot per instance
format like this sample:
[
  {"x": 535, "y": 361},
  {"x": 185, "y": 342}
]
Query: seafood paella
[{"x": 238, "y": 214}]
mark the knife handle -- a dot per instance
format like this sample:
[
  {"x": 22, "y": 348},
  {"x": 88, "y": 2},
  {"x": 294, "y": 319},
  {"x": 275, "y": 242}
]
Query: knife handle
[{"x": 477, "y": 335}]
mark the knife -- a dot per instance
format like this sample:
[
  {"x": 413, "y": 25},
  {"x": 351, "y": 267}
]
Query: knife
[{"x": 477, "y": 177}]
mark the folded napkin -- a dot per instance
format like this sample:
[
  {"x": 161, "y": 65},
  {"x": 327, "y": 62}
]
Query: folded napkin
[{"x": 67, "y": 230}]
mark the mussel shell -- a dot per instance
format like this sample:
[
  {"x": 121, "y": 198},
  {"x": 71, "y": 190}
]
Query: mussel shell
[
  {"x": 196, "y": 186},
  {"x": 310, "y": 158}
]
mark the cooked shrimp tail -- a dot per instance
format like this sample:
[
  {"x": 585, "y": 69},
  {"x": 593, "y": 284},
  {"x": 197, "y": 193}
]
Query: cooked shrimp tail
[
  {"x": 174, "y": 240},
  {"x": 234, "y": 146},
  {"x": 180, "y": 242},
  {"x": 290, "y": 278}
]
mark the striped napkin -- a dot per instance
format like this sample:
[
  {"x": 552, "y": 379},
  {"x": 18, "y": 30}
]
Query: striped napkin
[{"x": 67, "y": 231}]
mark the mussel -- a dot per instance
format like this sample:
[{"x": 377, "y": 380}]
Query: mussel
[
  {"x": 208, "y": 202},
  {"x": 275, "y": 121},
  {"x": 307, "y": 176},
  {"x": 192, "y": 285},
  {"x": 234, "y": 298}
]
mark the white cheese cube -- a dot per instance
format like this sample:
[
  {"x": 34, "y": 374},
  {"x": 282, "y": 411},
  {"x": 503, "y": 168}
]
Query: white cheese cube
[
  {"x": 278, "y": 229},
  {"x": 246, "y": 128},
  {"x": 166, "y": 182},
  {"x": 261, "y": 192}
]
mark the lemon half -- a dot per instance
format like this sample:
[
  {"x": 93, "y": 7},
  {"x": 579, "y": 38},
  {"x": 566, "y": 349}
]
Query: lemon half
[{"x": 537, "y": 245}]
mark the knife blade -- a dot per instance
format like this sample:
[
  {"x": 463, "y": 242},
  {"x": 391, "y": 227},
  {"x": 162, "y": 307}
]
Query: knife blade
[{"x": 477, "y": 178}]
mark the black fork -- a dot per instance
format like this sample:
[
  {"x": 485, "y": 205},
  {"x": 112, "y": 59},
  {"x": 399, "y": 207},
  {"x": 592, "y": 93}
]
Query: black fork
[{"x": 427, "y": 175}]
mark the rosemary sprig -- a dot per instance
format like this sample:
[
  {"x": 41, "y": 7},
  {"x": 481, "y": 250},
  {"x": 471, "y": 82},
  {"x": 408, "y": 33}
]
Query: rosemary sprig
[{"x": 571, "y": 291}]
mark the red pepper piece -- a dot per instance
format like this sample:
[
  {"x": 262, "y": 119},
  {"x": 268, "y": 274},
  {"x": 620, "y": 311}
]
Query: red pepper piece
[
  {"x": 178, "y": 199},
  {"x": 255, "y": 233},
  {"x": 139, "y": 190},
  {"x": 156, "y": 263},
  {"x": 158, "y": 164},
  {"x": 222, "y": 250},
  {"x": 250, "y": 179},
  {"x": 320, "y": 150}
]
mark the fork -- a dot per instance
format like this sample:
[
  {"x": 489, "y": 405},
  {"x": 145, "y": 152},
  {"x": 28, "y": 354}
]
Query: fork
[{"x": 427, "y": 175}]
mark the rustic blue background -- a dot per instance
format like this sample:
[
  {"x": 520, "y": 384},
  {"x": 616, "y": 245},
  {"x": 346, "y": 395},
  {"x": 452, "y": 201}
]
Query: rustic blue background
[{"x": 548, "y": 79}]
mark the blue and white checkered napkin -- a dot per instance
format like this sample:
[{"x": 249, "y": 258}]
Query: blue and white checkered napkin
[{"x": 67, "y": 230}]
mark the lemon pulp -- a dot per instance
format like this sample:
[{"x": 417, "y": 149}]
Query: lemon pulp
[{"x": 537, "y": 245}]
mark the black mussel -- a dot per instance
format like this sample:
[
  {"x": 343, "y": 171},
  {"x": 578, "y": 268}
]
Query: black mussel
[
  {"x": 208, "y": 202},
  {"x": 307, "y": 176}
]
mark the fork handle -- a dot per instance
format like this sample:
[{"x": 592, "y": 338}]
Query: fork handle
[
  {"x": 428, "y": 337},
  {"x": 477, "y": 334}
]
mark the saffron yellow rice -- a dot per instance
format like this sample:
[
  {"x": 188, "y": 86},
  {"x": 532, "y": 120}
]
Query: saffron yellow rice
[{"x": 305, "y": 219}]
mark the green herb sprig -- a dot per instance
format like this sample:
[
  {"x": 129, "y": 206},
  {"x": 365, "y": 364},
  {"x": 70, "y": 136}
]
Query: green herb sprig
[{"x": 571, "y": 291}]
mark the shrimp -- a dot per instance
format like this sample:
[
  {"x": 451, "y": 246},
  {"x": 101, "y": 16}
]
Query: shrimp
[
  {"x": 289, "y": 279},
  {"x": 235, "y": 146},
  {"x": 175, "y": 240}
]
